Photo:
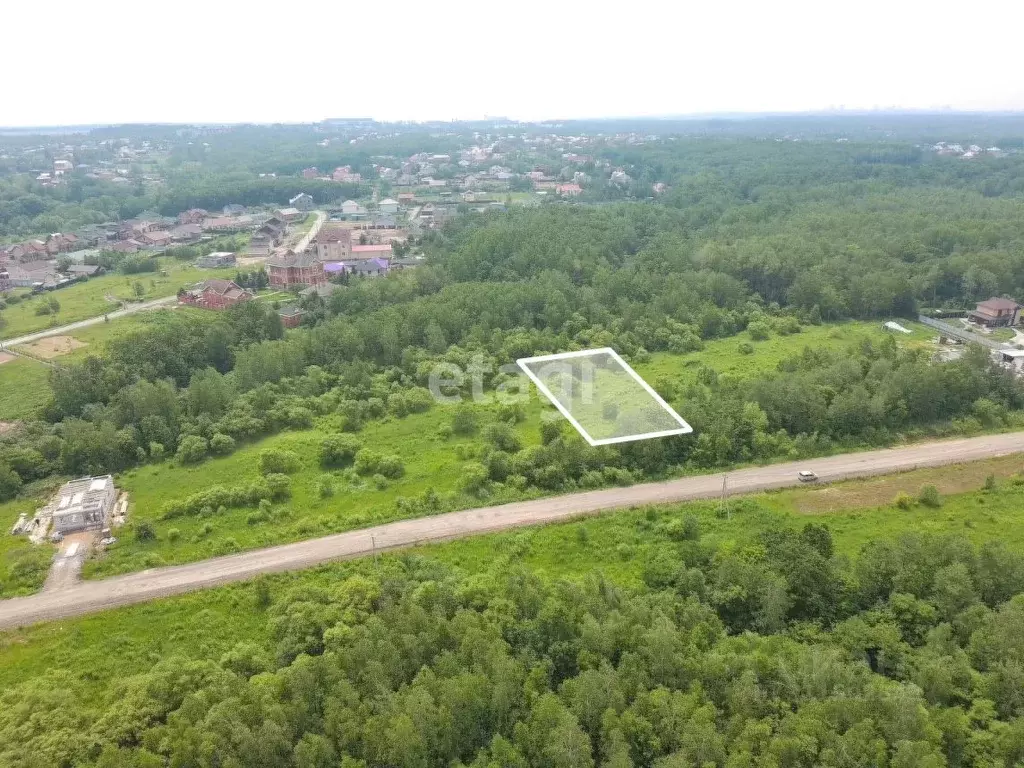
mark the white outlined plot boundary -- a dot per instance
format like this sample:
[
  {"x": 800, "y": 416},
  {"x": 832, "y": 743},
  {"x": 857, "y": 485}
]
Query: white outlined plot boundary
[{"x": 525, "y": 362}]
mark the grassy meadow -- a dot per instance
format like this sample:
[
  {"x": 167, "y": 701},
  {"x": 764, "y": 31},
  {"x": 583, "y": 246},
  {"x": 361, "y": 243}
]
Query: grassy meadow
[
  {"x": 97, "y": 649},
  {"x": 724, "y": 356},
  {"x": 89, "y": 299},
  {"x": 431, "y": 461},
  {"x": 24, "y": 388},
  {"x": 23, "y": 565}
]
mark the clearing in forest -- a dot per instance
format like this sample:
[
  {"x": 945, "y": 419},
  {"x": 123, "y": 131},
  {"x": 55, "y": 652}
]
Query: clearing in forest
[{"x": 602, "y": 397}]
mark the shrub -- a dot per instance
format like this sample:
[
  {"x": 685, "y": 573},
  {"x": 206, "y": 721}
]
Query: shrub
[
  {"x": 370, "y": 462},
  {"x": 192, "y": 449},
  {"x": 511, "y": 411},
  {"x": 929, "y": 496},
  {"x": 610, "y": 411},
  {"x": 325, "y": 487},
  {"x": 465, "y": 421},
  {"x": 144, "y": 531},
  {"x": 903, "y": 500},
  {"x": 787, "y": 325},
  {"x": 10, "y": 483},
  {"x": 759, "y": 330},
  {"x": 745, "y": 348},
  {"x": 338, "y": 450},
  {"x": 156, "y": 451},
  {"x": 280, "y": 486},
  {"x": 474, "y": 479},
  {"x": 173, "y": 535},
  {"x": 503, "y": 437},
  {"x": 550, "y": 430},
  {"x": 278, "y": 461},
  {"x": 379, "y": 481},
  {"x": 222, "y": 444}
]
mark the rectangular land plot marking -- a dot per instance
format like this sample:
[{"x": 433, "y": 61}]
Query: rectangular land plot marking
[{"x": 604, "y": 399}]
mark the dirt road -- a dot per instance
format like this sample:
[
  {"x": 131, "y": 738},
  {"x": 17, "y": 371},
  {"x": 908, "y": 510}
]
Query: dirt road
[
  {"x": 94, "y": 596},
  {"x": 131, "y": 309}
]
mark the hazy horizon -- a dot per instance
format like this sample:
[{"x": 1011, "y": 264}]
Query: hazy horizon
[{"x": 110, "y": 62}]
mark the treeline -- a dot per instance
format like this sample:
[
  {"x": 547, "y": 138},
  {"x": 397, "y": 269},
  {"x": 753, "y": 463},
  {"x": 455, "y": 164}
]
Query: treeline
[
  {"x": 194, "y": 387},
  {"x": 776, "y": 652},
  {"x": 26, "y": 208}
]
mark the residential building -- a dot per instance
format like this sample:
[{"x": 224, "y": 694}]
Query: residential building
[
  {"x": 86, "y": 270},
  {"x": 302, "y": 202},
  {"x": 310, "y": 173},
  {"x": 216, "y": 259},
  {"x": 295, "y": 269},
  {"x": 233, "y": 209},
  {"x": 352, "y": 208},
  {"x": 156, "y": 238},
  {"x": 569, "y": 190},
  {"x": 214, "y": 294},
  {"x": 193, "y": 216},
  {"x": 83, "y": 504},
  {"x": 288, "y": 215},
  {"x": 369, "y": 267},
  {"x": 406, "y": 198},
  {"x": 371, "y": 251},
  {"x": 333, "y": 244},
  {"x": 996, "y": 312},
  {"x": 186, "y": 233},
  {"x": 388, "y": 206},
  {"x": 291, "y": 315},
  {"x": 261, "y": 244}
]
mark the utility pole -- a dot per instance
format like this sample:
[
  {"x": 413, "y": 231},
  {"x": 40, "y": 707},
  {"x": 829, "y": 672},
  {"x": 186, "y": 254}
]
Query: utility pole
[{"x": 728, "y": 514}]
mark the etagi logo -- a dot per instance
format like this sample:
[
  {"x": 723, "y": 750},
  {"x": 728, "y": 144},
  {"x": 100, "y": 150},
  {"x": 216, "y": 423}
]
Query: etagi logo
[
  {"x": 447, "y": 381},
  {"x": 604, "y": 399}
]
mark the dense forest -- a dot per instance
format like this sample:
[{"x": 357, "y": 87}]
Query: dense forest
[{"x": 778, "y": 652}]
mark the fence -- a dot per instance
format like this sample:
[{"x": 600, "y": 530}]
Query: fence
[{"x": 961, "y": 334}]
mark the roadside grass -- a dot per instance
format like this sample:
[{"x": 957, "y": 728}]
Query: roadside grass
[
  {"x": 431, "y": 462},
  {"x": 97, "y": 649},
  {"x": 84, "y": 300},
  {"x": 724, "y": 357},
  {"x": 23, "y": 565},
  {"x": 24, "y": 388},
  {"x": 97, "y": 337},
  {"x": 1002, "y": 334}
]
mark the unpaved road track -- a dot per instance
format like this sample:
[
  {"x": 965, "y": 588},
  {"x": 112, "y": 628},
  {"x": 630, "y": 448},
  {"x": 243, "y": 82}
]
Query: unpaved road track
[
  {"x": 130, "y": 309},
  {"x": 88, "y": 597}
]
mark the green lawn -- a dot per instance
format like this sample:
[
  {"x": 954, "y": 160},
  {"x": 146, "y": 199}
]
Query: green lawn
[
  {"x": 85, "y": 300},
  {"x": 24, "y": 388},
  {"x": 97, "y": 649},
  {"x": 723, "y": 355}
]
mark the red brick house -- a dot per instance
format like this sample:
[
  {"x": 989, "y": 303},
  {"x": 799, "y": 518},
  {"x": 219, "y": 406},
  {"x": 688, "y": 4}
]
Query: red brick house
[
  {"x": 292, "y": 269},
  {"x": 291, "y": 316},
  {"x": 214, "y": 294}
]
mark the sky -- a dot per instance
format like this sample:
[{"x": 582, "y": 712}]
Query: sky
[{"x": 112, "y": 61}]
